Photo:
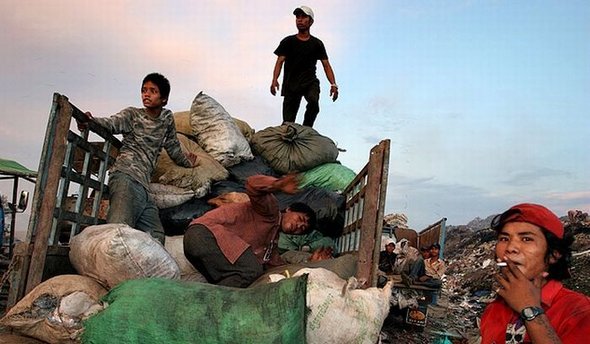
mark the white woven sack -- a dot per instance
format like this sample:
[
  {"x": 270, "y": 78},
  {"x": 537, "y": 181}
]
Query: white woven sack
[
  {"x": 166, "y": 196},
  {"x": 217, "y": 133},
  {"x": 113, "y": 253},
  {"x": 340, "y": 313}
]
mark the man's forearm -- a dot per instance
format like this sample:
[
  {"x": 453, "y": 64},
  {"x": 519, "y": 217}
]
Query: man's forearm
[
  {"x": 277, "y": 70},
  {"x": 329, "y": 73},
  {"x": 540, "y": 331}
]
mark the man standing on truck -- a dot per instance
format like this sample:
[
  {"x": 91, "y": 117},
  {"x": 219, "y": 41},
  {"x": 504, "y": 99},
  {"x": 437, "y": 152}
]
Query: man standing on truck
[
  {"x": 232, "y": 244},
  {"x": 145, "y": 132},
  {"x": 300, "y": 54},
  {"x": 532, "y": 305}
]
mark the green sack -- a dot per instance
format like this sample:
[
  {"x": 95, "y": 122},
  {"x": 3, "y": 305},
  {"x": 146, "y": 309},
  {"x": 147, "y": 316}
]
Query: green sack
[
  {"x": 330, "y": 176},
  {"x": 167, "y": 311},
  {"x": 303, "y": 242}
]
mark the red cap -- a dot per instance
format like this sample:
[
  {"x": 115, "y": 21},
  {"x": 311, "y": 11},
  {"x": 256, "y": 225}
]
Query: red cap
[{"x": 537, "y": 215}]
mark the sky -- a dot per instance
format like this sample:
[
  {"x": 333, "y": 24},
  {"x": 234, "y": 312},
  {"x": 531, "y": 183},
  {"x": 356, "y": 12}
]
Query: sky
[{"x": 485, "y": 102}]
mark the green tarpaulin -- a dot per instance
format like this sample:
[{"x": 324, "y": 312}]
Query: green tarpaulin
[{"x": 13, "y": 168}]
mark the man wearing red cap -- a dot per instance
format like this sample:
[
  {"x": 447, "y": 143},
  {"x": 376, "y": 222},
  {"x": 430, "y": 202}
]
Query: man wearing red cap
[
  {"x": 300, "y": 54},
  {"x": 532, "y": 305}
]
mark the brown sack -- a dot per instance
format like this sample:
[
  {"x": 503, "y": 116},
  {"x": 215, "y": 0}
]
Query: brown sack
[
  {"x": 53, "y": 311},
  {"x": 182, "y": 121},
  {"x": 230, "y": 197},
  {"x": 198, "y": 178}
]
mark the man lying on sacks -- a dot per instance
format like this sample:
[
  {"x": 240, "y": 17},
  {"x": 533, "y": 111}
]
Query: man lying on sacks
[{"x": 233, "y": 244}]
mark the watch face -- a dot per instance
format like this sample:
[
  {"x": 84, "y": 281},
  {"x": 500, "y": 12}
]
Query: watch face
[{"x": 531, "y": 313}]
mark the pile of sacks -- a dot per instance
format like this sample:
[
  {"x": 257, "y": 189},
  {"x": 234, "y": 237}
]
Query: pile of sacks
[
  {"x": 128, "y": 278},
  {"x": 131, "y": 289},
  {"x": 229, "y": 151}
]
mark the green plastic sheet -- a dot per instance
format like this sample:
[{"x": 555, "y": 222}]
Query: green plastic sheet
[{"x": 167, "y": 311}]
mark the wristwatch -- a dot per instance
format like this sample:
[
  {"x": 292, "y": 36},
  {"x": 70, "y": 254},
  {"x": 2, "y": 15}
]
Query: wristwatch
[
  {"x": 334, "y": 85},
  {"x": 530, "y": 313}
]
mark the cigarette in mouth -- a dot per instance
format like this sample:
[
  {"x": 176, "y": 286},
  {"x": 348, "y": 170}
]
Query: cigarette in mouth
[{"x": 501, "y": 264}]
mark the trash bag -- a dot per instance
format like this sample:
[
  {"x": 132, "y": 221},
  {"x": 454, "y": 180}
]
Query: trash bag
[
  {"x": 53, "y": 311},
  {"x": 217, "y": 132},
  {"x": 343, "y": 266},
  {"x": 177, "y": 312},
  {"x": 339, "y": 312},
  {"x": 328, "y": 206},
  {"x": 175, "y": 220},
  {"x": 114, "y": 252},
  {"x": 175, "y": 246},
  {"x": 198, "y": 178},
  {"x": 292, "y": 148},
  {"x": 226, "y": 186},
  {"x": 330, "y": 176},
  {"x": 166, "y": 196},
  {"x": 245, "y": 169}
]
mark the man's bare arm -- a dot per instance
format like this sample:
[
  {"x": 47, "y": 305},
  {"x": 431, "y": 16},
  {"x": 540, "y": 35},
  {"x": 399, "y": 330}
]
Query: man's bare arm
[
  {"x": 274, "y": 85},
  {"x": 331, "y": 78}
]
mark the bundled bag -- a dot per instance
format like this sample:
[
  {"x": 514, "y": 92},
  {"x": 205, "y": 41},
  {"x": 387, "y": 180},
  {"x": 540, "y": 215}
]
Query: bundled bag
[
  {"x": 175, "y": 246},
  {"x": 54, "y": 310},
  {"x": 183, "y": 125},
  {"x": 175, "y": 220},
  {"x": 330, "y": 176},
  {"x": 245, "y": 129},
  {"x": 182, "y": 122},
  {"x": 328, "y": 206},
  {"x": 226, "y": 186},
  {"x": 166, "y": 196},
  {"x": 9, "y": 338},
  {"x": 245, "y": 169},
  {"x": 198, "y": 178},
  {"x": 114, "y": 253},
  {"x": 293, "y": 148},
  {"x": 217, "y": 132},
  {"x": 341, "y": 313},
  {"x": 176, "y": 312},
  {"x": 343, "y": 266},
  {"x": 230, "y": 197}
]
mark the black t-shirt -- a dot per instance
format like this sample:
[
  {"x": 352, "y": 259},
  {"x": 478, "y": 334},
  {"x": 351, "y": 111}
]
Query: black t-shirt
[{"x": 300, "y": 61}]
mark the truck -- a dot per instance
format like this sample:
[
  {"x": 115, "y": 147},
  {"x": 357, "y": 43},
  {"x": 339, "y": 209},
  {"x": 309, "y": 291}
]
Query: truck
[
  {"x": 13, "y": 172},
  {"x": 71, "y": 188}
]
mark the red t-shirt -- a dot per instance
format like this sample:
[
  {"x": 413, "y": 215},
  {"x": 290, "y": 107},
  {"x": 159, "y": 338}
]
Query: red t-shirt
[{"x": 568, "y": 312}]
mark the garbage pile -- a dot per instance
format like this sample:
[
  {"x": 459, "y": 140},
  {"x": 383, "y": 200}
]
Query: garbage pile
[{"x": 397, "y": 220}]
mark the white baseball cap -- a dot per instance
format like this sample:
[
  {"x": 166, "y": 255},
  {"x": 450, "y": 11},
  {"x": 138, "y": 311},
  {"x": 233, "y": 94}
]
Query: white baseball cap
[
  {"x": 388, "y": 241},
  {"x": 306, "y": 10}
]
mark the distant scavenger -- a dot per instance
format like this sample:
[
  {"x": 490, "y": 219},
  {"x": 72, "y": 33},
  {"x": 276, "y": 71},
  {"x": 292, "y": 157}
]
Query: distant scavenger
[{"x": 387, "y": 256}]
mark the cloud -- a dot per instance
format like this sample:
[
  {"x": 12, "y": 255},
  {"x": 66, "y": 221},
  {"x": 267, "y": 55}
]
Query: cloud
[
  {"x": 572, "y": 196},
  {"x": 425, "y": 201},
  {"x": 527, "y": 177}
]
